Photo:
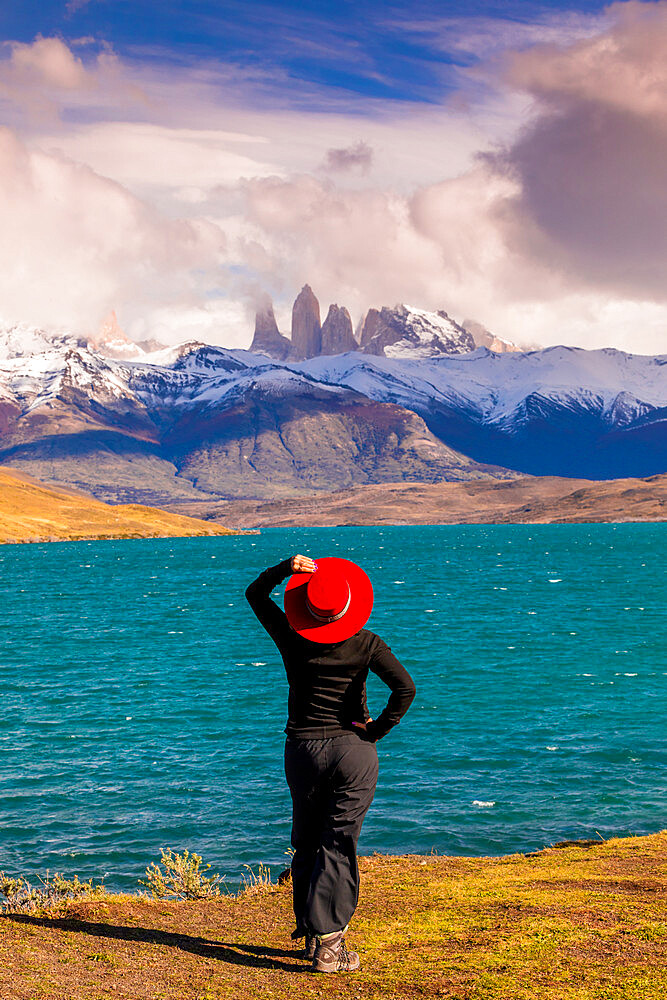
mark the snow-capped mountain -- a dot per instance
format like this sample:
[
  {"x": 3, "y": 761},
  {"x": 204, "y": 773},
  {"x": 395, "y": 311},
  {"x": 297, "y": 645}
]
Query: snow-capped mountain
[
  {"x": 25, "y": 341},
  {"x": 408, "y": 332},
  {"x": 197, "y": 421},
  {"x": 500, "y": 387},
  {"x": 113, "y": 342},
  {"x": 401, "y": 332}
]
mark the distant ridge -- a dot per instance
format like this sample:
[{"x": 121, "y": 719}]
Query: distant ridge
[{"x": 539, "y": 500}]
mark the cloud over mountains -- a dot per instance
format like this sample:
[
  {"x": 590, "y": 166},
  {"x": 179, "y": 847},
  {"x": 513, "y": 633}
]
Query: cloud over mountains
[
  {"x": 533, "y": 200},
  {"x": 590, "y": 167}
]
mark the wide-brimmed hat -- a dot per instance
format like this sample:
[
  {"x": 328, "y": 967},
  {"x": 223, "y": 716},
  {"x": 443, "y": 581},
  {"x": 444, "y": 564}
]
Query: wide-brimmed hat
[{"x": 330, "y": 604}]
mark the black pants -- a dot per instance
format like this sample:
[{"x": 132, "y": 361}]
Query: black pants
[{"x": 332, "y": 782}]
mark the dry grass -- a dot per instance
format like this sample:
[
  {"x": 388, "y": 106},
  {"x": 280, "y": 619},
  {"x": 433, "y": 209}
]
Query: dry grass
[
  {"x": 32, "y": 512},
  {"x": 575, "y": 923}
]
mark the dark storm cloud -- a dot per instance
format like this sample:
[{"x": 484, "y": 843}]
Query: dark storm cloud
[
  {"x": 356, "y": 157},
  {"x": 592, "y": 165}
]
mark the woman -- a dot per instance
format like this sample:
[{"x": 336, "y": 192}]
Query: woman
[{"x": 331, "y": 762}]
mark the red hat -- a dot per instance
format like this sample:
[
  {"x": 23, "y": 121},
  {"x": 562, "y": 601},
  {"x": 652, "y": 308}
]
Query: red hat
[{"x": 330, "y": 604}]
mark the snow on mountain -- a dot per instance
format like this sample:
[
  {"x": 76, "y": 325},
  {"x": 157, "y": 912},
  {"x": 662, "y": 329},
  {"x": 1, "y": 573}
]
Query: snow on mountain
[
  {"x": 559, "y": 411},
  {"x": 24, "y": 341},
  {"x": 496, "y": 385},
  {"x": 53, "y": 375},
  {"x": 408, "y": 332},
  {"x": 85, "y": 372},
  {"x": 491, "y": 387},
  {"x": 426, "y": 334}
]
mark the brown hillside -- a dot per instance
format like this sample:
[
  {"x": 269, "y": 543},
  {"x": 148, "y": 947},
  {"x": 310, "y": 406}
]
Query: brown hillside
[
  {"x": 528, "y": 500},
  {"x": 33, "y": 512}
]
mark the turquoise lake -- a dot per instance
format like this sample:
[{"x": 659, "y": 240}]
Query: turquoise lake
[{"x": 144, "y": 706}]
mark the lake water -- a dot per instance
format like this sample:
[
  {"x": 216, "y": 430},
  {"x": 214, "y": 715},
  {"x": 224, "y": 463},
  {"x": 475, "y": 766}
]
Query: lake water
[{"x": 143, "y": 706}]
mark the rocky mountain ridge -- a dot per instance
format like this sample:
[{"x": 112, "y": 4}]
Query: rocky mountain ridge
[
  {"x": 484, "y": 338},
  {"x": 197, "y": 422},
  {"x": 402, "y": 331}
]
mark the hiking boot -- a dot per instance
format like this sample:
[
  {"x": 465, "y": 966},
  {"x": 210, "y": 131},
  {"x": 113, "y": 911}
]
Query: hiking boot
[{"x": 331, "y": 955}]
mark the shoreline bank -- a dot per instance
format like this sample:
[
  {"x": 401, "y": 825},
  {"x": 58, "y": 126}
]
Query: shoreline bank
[{"x": 570, "y": 923}]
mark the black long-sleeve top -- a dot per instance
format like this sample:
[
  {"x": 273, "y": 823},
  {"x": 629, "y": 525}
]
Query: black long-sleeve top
[{"x": 327, "y": 683}]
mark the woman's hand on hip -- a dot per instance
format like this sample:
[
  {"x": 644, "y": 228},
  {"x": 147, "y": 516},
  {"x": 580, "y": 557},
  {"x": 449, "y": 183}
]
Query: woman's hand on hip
[
  {"x": 363, "y": 731},
  {"x": 302, "y": 564}
]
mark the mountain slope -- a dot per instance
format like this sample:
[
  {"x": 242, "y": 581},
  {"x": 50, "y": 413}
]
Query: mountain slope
[
  {"x": 560, "y": 411},
  {"x": 198, "y": 421}
]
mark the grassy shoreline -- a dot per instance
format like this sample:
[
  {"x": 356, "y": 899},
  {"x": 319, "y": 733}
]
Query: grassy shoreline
[{"x": 565, "y": 923}]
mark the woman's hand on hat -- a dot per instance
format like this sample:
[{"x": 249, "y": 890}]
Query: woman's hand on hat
[{"x": 302, "y": 564}]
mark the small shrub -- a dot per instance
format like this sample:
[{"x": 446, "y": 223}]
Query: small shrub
[
  {"x": 286, "y": 875},
  {"x": 181, "y": 878},
  {"x": 21, "y": 896},
  {"x": 256, "y": 881}
]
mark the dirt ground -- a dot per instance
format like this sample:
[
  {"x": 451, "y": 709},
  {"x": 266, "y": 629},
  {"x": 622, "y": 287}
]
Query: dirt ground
[{"x": 567, "y": 923}]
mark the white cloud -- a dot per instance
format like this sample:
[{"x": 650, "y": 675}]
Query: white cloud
[
  {"x": 41, "y": 79},
  {"x": 480, "y": 37},
  {"x": 164, "y": 164},
  {"x": 174, "y": 196},
  {"x": 74, "y": 244},
  {"x": 442, "y": 248},
  {"x": 217, "y": 321}
]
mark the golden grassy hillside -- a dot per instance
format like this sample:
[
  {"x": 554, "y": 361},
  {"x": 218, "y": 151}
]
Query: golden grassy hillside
[
  {"x": 33, "y": 512},
  {"x": 570, "y": 923}
]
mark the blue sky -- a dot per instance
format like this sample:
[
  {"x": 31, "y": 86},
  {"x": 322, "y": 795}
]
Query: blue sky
[
  {"x": 175, "y": 162},
  {"x": 405, "y": 52}
]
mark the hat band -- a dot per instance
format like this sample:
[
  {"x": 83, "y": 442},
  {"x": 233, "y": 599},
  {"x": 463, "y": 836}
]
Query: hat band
[{"x": 327, "y": 619}]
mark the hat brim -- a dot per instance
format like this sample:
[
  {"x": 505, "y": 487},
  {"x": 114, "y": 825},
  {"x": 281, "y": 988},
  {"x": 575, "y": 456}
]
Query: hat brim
[{"x": 356, "y": 616}]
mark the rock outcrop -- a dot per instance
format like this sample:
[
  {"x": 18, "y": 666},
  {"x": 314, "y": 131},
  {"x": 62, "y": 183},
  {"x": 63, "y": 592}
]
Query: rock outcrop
[
  {"x": 408, "y": 332},
  {"x": 337, "y": 336},
  {"x": 370, "y": 328},
  {"x": 112, "y": 341},
  {"x": 268, "y": 339},
  {"x": 484, "y": 338},
  {"x": 306, "y": 328},
  {"x": 403, "y": 331}
]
